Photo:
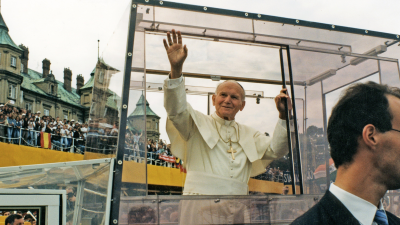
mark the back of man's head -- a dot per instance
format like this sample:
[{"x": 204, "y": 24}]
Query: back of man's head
[
  {"x": 11, "y": 219},
  {"x": 361, "y": 104}
]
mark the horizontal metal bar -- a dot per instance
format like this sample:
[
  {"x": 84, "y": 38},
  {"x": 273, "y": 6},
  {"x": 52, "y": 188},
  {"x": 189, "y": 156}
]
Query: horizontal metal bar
[
  {"x": 208, "y": 76},
  {"x": 54, "y": 165},
  {"x": 152, "y": 30},
  {"x": 95, "y": 192}
]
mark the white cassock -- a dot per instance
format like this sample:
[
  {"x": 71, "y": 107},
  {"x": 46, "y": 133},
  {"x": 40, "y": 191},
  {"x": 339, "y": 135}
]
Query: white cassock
[{"x": 210, "y": 168}]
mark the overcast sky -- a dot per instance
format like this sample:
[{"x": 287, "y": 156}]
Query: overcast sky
[{"x": 66, "y": 32}]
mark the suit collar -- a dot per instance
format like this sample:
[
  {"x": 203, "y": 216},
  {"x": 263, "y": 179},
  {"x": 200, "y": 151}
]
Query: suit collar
[{"x": 336, "y": 210}]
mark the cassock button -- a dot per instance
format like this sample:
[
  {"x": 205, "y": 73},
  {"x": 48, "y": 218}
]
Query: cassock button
[
  {"x": 231, "y": 176},
  {"x": 231, "y": 168}
]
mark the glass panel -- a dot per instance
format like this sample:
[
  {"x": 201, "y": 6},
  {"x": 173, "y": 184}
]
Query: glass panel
[
  {"x": 218, "y": 58},
  {"x": 210, "y": 58},
  {"x": 391, "y": 202},
  {"x": 317, "y": 38},
  {"x": 215, "y": 210},
  {"x": 139, "y": 129},
  {"x": 89, "y": 182},
  {"x": 220, "y": 48},
  {"x": 389, "y": 73},
  {"x": 284, "y": 210},
  {"x": 105, "y": 104},
  {"x": 207, "y": 20}
]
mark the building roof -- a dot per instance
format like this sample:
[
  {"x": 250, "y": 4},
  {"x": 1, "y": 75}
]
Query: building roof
[
  {"x": 89, "y": 83},
  {"x": 33, "y": 77},
  {"x": 5, "y": 38},
  {"x": 139, "y": 110},
  {"x": 69, "y": 97}
]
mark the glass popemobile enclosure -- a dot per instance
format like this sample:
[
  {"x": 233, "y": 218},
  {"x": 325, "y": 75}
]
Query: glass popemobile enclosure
[{"x": 179, "y": 156}]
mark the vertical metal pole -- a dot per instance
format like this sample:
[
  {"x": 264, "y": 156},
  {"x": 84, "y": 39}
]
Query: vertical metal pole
[
  {"x": 71, "y": 149},
  {"x": 379, "y": 71},
  {"x": 296, "y": 132},
  {"x": 327, "y": 155},
  {"x": 292, "y": 171},
  {"x": 20, "y": 132},
  {"x": 78, "y": 202},
  {"x": 145, "y": 111},
  {"x": 117, "y": 181}
]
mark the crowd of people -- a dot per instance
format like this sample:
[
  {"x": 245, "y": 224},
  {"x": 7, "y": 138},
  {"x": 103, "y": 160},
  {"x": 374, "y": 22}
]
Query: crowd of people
[
  {"x": 271, "y": 174},
  {"x": 20, "y": 217},
  {"x": 24, "y": 127},
  {"x": 158, "y": 151}
]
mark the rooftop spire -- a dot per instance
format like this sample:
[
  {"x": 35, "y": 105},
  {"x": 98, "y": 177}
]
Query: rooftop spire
[{"x": 5, "y": 38}]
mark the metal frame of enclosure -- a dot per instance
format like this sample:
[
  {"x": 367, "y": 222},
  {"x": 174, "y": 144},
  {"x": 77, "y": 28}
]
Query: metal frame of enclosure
[
  {"x": 314, "y": 61},
  {"x": 341, "y": 48}
]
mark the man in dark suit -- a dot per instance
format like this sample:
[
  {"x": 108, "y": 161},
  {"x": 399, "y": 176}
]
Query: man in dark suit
[{"x": 364, "y": 136}]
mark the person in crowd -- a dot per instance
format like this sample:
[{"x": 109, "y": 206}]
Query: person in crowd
[
  {"x": 32, "y": 134},
  {"x": 37, "y": 129},
  {"x": 25, "y": 132},
  {"x": 56, "y": 140},
  {"x": 84, "y": 130},
  {"x": 17, "y": 131},
  {"x": 363, "y": 134},
  {"x": 2, "y": 127},
  {"x": 14, "y": 219},
  {"x": 81, "y": 144},
  {"x": 28, "y": 218},
  {"x": 69, "y": 136},
  {"x": 64, "y": 134},
  {"x": 142, "y": 215},
  {"x": 69, "y": 189},
  {"x": 10, "y": 128},
  {"x": 71, "y": 201}
]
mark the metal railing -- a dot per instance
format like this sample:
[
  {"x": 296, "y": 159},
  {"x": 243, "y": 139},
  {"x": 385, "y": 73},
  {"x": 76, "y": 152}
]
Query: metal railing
[
  {"x": 152, "y": 158},
  {"x": 31, "y": 138}
]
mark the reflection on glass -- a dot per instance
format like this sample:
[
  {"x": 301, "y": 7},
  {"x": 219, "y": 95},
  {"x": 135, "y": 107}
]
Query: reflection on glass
[
  {"x": 200, "y": 155},
  {"x": 102, "y": 133},
  {"x": 86, "y": 183}
]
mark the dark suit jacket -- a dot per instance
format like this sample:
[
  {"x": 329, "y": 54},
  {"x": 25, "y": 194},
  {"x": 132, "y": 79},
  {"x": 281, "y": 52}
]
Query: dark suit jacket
[{"x": 330, "y": 210}]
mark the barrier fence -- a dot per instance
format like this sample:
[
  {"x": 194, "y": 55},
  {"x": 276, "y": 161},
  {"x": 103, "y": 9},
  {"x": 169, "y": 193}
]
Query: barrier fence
[
  {"x": 33, "y": 138},
  {"x": 101, "y": 144}
]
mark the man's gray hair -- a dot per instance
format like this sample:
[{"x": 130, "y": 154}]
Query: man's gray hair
[{"x": 234, "y": 81}]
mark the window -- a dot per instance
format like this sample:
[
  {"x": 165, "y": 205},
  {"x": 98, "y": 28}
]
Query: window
[
  {"x": 105, "y": 112},
  {"x": 86, "y": 98},
  {"x": 79, "y": 118},
  {"x": 22, "y": 68},
  {"x": 52, "y": 89},
  {"x": 28, "y": 106},
  {"x": 101, "y": 76},
  {"x": 93, "y": 108},
  {"x": 66, "y": 117},
  {"x": 156, "y": 125},
  {"x": 12, "y": 91},
  {"x": 13, "y": 61},
  {"x": 46, "y": 112}
]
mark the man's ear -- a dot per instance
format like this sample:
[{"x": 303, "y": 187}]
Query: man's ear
[
  {"x": 213, "y": 99},
  {"x": 243, "y": 104},
  {"x": 370, "y": 135}
]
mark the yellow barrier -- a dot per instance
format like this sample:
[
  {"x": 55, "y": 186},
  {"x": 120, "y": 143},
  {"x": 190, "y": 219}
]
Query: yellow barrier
[{"x": 18, "y": 155}]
